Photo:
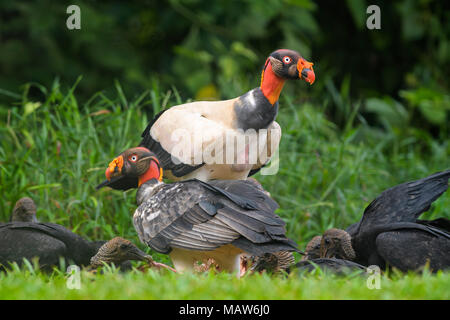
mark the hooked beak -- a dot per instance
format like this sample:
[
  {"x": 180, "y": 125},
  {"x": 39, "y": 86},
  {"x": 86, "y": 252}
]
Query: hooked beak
[
  {"x": 114, "y": 168},
  {"x": 138, "y": 254},
  {"x": 306, "y": 71}
]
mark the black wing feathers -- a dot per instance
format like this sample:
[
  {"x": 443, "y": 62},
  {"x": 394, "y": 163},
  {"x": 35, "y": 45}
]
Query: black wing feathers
[{"x": 405, "y": 202}]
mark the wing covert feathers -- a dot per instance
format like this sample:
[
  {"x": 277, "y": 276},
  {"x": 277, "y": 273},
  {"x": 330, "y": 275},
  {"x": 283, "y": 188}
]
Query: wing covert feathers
[{"x": 199, "y": 216}]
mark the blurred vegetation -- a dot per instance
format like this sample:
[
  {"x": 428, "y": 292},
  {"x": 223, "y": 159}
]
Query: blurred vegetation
[{"x": 397, "y": 77}]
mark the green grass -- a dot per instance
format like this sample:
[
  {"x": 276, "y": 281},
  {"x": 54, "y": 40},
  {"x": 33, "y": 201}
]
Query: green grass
[
  {"x": 56, "y": 152},
  {"x": 152, "y": 285}
]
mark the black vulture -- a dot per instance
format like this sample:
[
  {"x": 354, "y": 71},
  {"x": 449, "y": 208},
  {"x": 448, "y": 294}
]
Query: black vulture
[
  {"x": 336, "y": 243},
  {"x": 118, "y": 251},
  {"x": 25, "y": 237},
  {"x": 331, "y": 252},
  {"x": 390, "y": 230}
]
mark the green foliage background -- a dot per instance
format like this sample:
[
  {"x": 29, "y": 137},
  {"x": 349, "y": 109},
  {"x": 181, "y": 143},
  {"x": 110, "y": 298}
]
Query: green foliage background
[{"x": 215, "y": 49}]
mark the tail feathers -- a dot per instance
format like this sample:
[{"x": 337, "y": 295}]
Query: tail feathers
[
  {"x": 250, "y": 227},
  {"x": 244, "y": 203},
  {"x": 248, "y": 189}
]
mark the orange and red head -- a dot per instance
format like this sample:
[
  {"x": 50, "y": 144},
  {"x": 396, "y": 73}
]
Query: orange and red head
[
  {"x": 138, "y": 163},
  {"x": 282, "y": 65}
]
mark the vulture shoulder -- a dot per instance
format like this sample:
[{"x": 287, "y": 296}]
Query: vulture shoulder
[
  {"x": 180, "y": 135},
  {"x": 48, "y": 241}
]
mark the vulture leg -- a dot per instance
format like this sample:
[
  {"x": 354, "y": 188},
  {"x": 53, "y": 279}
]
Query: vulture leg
[{"x": 185, "y": 260}]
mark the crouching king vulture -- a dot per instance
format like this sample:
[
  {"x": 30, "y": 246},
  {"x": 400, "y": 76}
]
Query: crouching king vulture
[
  {"x": 195, "y": 221},
  {"x": 201, "y": 139}
]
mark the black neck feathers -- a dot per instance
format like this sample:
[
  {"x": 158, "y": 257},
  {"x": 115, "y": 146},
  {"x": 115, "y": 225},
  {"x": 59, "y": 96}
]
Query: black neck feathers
[{"x": 254, "y": 111}]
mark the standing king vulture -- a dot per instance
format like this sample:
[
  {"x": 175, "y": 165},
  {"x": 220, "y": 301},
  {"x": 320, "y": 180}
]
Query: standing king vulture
[
  {"x": 200, "y": 139},
  {"x": 195, "y": 221}
]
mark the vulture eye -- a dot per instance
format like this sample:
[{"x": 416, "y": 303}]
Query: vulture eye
[
  {"x": 133, "y": 158},
  {"x": 287, "y": 60}
]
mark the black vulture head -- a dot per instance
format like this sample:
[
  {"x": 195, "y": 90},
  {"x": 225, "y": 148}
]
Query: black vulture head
[
  {"x": 272, "y": 262},
  {"x": 24, "y": 211},
  {"x": 116, "y": 251},
  {"x": 337, "y": 243},
  {"x": 312, "y": 250}
]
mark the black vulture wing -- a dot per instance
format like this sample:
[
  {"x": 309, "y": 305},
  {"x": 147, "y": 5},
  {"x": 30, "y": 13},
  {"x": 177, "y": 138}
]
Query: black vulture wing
[
  {"x": 48, "y": 241},
  {"x": 333, "y": 265},
  {"x": 405, "y": 202}
]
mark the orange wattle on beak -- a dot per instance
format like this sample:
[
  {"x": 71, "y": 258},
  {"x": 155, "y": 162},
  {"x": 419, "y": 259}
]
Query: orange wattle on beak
[
  {"x": 114, "y": 167},
  {"x": 306, "y": 71}
]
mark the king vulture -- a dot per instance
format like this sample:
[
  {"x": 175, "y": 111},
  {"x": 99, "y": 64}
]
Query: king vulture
[
  {"x": 199, "y": 139},
  {"x": 195, "y": 221}
]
